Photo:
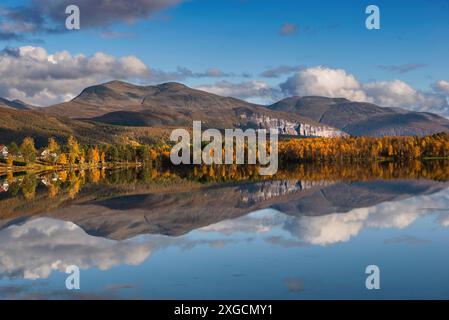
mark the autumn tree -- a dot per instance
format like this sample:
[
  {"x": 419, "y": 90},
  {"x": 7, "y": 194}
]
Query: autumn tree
[
  {"x": 52, "y": 145},
  {"x": 63, "y": 159},
  {"x": 13, "y": 149},
  {"x": 28, "y": 150},
  {"x": 52, "y": 149},
  {"x": 74, "y": 150},
  {"x": 10, "y": 160},
  {"x": 93, "y": 155}
]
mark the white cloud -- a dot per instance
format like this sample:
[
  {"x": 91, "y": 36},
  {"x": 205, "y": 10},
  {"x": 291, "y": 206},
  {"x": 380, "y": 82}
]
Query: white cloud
[
  {"x": 321, "y": 81},
  {"x": 35, "y": 76},
  {"x": 443, "y": 87},
  {"x": 337, "y": 83},
  {"x": 400, "y": 94}
]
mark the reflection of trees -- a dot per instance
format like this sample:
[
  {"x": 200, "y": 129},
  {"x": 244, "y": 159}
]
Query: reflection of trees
[
  {"x": 29, "y": 185},
  {"x": 71, "y": 182},
  {"x": 53, "y": 190}
]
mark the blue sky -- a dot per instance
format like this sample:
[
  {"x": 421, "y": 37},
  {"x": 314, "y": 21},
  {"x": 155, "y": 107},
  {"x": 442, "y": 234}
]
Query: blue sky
[{"x": 243, "y": 36}]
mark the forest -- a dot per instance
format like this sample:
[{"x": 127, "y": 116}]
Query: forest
[{"x": 294, "y": 150}]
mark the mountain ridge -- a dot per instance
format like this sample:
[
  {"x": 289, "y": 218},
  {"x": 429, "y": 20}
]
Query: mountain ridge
[
  {"x": 15, "y": 104},
  {"x": 175, "y": 104},
  {"x": 362, "y": 118},
  {"x": 119, "y": 108}
]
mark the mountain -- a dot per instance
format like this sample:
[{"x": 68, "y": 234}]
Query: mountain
[
  {"x": 363, "y": 119},
  {"x": 15, "y": 104},
  {"x": 174, "y": 104},
  {"x": 18, "y": 124}
]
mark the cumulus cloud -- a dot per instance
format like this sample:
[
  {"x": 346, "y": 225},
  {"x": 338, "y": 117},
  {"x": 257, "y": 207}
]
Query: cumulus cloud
[
  {"x": 48, "y": 16},
  {"x": 443, "y": 87},
  {"x": 254, "y": 91},
  {"x": 397, "y": 93},
  {"x": 321, "y": 81},
  {"x": 337, "y": 83},
  {"x": 35, "y": 76}
]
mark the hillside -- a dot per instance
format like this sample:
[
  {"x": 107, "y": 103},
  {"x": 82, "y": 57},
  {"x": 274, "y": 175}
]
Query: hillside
[
  {"x": 363, "y": 119},
  {"x": 16, "y": 124},
  {"x": 15, "y": 104},
  {"x": 174, "y": 104}
]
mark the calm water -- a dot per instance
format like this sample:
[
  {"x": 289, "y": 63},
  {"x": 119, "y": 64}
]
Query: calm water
[{"x": 158, "y": 235}]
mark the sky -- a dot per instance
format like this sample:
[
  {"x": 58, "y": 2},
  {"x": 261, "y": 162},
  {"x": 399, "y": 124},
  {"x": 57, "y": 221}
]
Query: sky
[{"x": 257, "y": 50}]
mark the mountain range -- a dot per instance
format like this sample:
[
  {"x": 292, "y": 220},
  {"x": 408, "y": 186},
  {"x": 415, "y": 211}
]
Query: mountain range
[
  {"x": 112, "y": 111},
  {"x": 15, "y": 104}
]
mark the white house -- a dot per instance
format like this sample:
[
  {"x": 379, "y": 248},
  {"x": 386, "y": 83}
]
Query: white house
[
  {"x": 4, "y": 186},
  {"x": 3, "y": 151},
  {"x": 47, "y": 154}
]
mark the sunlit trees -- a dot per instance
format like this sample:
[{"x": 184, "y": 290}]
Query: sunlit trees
[
  {"x": 73, "y": 149},
  {"x": 13, "y": 149},
  {"x": 28, "y": 150},
  {"x": 9, "y": 160},
  {"x": 53, "y": 146},
  {"x": 63, "y": 159},
  {"x": 93, "y": 156},
  {"x": 362, "y": 148},
  {"x": 103, "y": 158}
]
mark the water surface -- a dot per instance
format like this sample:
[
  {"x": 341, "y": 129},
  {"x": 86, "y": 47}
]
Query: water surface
[{"x": 161, "y": 235}]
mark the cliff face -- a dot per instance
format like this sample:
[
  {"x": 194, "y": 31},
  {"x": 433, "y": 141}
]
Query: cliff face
[
  {"x": 294, "y": 128},
  {"x": 363, "y": 119}
]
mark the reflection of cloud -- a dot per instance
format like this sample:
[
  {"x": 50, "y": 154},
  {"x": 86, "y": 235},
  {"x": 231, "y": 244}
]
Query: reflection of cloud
[
  {"x": 294, "y": 285},
  {"x": 327, "y": 229},
  {"x": 338, "y": 227},
  {"x": 38, "y": 247}
]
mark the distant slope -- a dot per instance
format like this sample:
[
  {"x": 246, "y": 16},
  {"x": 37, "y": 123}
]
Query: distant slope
[
  {"x": 174, "y": 104},
  {"x": 17, "y": 124},
  {"x": 15, "y": 104},
  {"x": 363, "y": 119}
]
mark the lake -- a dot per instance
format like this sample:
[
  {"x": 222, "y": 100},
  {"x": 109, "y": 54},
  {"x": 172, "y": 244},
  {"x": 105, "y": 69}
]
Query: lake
[{"x": 225, "y": 233}]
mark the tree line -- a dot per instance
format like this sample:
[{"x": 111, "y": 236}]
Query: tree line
[
  {"x": 73, "y": 153},
  {"x": 355, "y": 149},
  {"x": 343, "y": 149}
]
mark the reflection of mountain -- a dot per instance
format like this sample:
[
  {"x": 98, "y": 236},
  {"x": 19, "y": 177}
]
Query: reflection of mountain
[
  {"x": 178, "y": 213},
  {"x": 344, "y": 197},
  {"x": 37, "y": 247}
]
